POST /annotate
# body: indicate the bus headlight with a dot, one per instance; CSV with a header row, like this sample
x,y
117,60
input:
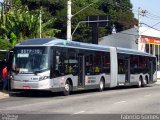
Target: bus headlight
x,y
43,78
11,77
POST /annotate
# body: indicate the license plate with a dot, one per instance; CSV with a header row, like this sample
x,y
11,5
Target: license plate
x,y
26,87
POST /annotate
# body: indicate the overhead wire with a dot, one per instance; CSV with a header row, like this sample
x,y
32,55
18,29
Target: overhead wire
x,y
151,26
151,17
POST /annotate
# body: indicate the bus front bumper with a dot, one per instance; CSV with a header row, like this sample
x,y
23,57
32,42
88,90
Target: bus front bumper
x,y
39,85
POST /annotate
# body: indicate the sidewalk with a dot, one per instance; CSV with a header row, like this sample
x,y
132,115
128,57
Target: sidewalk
x,y
158,81
3,95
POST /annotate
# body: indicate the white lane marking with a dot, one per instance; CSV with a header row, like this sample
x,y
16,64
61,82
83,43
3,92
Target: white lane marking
x,y
119,102
147,95
79,112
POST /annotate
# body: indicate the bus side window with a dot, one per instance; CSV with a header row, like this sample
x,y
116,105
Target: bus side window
x,y
97,62
89,63
134,64
106,63
88,69
121,64
59,64
72,62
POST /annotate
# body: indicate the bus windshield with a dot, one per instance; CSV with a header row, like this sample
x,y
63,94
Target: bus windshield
x,y
30,60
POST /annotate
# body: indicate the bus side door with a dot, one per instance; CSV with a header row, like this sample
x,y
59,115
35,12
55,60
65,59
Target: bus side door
x,y
151,71
127,70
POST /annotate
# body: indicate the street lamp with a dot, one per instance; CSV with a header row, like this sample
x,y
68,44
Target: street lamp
x,y
95,21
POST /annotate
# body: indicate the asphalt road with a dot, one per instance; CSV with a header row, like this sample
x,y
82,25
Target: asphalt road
x,y
141,103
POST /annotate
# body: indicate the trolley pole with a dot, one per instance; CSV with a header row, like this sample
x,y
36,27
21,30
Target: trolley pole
x,y
69,17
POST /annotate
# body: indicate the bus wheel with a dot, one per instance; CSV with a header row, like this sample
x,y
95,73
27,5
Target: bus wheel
x,y
145,82
101,85
140,82
67,88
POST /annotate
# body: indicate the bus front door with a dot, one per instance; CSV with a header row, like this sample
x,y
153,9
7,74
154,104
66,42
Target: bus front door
x,y
127,70
81,73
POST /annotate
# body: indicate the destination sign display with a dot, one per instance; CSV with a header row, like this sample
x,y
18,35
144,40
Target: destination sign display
x,y
30,51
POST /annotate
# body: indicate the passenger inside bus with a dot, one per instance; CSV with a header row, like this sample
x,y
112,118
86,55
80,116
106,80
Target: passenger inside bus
x,y
43,64
68,69
97,69
29,64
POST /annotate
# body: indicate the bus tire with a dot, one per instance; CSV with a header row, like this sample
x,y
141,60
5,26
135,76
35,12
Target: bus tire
x,y
67,88
145,82
101,85
140,82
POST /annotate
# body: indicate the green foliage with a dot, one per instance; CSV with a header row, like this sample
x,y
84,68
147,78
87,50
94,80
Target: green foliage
x,y
47,30
120,13
19,23
17,3
4,44
13,39
23,20
118,10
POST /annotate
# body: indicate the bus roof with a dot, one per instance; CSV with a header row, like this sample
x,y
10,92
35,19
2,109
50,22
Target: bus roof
x,y
132,51
36,41
61,42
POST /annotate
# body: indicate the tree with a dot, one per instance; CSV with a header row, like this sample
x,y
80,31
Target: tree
x,y
5,45
13,39
20,23
119,11
58,10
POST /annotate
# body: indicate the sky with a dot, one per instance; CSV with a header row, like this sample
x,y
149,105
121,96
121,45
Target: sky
x,y
152,7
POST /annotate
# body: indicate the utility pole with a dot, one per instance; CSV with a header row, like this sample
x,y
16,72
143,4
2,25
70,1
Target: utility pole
x,y
40,24
69,17
139,39
140,13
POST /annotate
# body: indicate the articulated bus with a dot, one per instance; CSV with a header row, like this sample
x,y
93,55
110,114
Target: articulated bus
x,y
63,66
